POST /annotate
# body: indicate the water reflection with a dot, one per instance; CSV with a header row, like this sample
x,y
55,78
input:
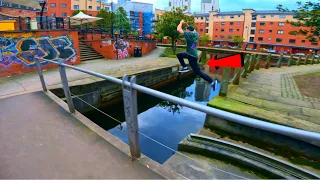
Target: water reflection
x,y
202,90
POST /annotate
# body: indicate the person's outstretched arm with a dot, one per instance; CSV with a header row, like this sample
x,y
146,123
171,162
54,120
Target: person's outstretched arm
x,y
179,28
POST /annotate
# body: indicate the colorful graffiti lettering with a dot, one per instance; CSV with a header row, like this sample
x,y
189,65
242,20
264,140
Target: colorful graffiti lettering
x,y
107,43
121,46
20,50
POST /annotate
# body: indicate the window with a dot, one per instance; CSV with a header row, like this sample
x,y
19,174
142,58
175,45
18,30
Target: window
x,y
270,31
107,8
223,23
64,5
207,30
251,39
223,17
239,15
281,24
262,23
98,8
207,24
314,43
222,37
279,40
239,23
253,24
98,0
254,17
272,15
271,23
90,14
280,32
229,37
253,32
238,30
303,41
282,16
53,5
216,36
217,29
260,38
201,30
231,17
169,3
217,22
201,18
75,6
230,30
90,7
231,23
222,30
292,41
261,31
263,16
63,14
269,38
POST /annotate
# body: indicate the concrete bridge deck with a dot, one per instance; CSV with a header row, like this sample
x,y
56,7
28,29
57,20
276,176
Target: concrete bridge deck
x,y
40,139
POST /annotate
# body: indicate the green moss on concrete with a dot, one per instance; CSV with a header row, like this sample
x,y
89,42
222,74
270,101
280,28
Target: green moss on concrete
x,y
236,107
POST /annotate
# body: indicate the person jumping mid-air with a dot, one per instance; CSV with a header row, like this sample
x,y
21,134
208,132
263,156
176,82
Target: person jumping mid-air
x,y
192,38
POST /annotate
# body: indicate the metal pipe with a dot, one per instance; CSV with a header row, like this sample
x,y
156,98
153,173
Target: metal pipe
x,y
310,137
66,89
43,84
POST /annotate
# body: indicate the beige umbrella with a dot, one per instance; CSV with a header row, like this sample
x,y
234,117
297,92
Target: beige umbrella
x,y
81,18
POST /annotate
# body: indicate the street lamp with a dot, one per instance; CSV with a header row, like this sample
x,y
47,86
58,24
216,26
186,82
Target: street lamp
x,y
42,4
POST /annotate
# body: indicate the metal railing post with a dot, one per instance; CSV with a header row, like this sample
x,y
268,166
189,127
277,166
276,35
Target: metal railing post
x,y
38,65
65,86
225,82
131,113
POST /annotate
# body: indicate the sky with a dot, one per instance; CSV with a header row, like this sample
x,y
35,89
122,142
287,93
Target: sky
x,y
232,5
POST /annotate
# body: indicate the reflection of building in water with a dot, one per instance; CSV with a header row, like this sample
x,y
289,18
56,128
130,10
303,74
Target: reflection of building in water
x,y
202,91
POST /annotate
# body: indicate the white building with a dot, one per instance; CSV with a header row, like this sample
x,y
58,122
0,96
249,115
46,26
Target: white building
x,y
181,4
209,5
137,7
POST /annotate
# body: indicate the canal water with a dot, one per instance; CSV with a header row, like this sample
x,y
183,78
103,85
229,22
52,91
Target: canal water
x,y
161,120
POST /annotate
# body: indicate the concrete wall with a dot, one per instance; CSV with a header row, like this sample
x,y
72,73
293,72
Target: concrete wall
x,y
16,56
261,138
125,49
104,93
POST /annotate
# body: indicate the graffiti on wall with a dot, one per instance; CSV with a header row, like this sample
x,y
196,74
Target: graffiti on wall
x,y
20,50
121,47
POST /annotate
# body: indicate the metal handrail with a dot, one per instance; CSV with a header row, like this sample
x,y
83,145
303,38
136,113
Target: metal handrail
x,y
307,136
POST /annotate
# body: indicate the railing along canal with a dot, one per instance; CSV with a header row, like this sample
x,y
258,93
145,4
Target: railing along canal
x,y
130,89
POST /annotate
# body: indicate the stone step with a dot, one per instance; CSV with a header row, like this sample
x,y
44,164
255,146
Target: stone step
x,y
296,111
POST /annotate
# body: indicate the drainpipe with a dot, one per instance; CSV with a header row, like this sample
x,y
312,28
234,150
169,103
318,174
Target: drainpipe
x,y
42,4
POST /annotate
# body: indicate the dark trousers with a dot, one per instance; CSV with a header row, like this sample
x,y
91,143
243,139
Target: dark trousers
x,y
194,65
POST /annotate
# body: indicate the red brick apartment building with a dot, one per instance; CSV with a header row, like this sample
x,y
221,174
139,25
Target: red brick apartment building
x,y
260,29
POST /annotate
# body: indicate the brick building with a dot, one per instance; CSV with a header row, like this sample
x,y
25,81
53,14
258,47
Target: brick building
x,y
57,8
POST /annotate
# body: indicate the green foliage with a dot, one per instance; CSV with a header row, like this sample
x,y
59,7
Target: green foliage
x,y
168,52
307,18
121,21
106,21
204,39
77,11
168,22
238,39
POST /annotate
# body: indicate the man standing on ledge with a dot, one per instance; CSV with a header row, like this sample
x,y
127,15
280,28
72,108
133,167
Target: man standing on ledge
x,y
192,38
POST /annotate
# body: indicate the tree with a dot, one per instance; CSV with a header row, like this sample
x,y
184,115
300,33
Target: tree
x,y
204,39
306,17
238,39
77,11
106,21
121,21
168,23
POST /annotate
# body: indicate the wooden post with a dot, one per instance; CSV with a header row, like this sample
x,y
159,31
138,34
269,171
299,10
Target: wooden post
x,y
203,58
312,59
290,60
279,61
306,60
253,60
257,65
237,78
299,61
267,65
225,82
318,60
245,68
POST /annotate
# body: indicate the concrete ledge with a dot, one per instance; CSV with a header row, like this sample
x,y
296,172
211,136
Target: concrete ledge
x,y
154,166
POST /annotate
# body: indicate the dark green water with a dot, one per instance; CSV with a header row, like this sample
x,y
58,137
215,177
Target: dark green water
x,y
163,121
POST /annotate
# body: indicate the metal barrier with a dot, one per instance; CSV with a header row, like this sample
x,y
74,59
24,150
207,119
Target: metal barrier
x,y
130,89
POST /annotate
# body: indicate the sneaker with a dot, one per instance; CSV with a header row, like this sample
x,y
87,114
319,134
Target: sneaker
x,y
185,69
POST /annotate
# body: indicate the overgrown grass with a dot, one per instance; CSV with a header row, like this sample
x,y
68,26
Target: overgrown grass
x,y
169,53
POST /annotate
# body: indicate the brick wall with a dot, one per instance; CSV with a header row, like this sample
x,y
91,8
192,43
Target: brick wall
x,y
18,12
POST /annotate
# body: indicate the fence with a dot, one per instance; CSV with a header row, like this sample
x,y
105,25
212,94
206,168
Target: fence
x,y
130,89
253,62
